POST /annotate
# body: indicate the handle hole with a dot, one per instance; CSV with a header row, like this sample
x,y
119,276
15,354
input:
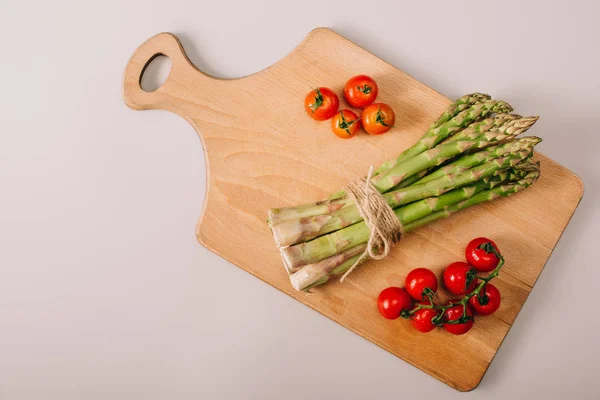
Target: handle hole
x,y
155,73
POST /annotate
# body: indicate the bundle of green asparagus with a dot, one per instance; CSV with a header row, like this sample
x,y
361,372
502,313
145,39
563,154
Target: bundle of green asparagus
x,y
470,155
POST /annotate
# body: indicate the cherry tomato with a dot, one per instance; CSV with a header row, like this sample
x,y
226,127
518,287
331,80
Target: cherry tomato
x,y
460,278
478,256
418,280
378,118
455,313
321,104
421,319
360,91
392,301
345,124
491,301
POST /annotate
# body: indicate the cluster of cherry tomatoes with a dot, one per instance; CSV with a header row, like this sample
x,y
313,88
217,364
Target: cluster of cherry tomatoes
x,y
360,92
461,279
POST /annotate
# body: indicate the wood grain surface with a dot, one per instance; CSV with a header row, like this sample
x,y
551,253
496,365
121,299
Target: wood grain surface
x,y
262,151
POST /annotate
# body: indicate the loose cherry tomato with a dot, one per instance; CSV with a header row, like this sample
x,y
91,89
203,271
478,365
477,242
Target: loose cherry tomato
x,y
455,313
360,91
321,103
392,301
421,319
488,304
480,256
418,280
378,118
460,278
345,124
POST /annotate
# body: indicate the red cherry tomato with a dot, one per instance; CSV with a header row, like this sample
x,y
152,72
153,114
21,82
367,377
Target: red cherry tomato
x,y
455,313
321,103
460,278
418,280
345,124
491,301
378,118
392,301
360,91
478,256
421,320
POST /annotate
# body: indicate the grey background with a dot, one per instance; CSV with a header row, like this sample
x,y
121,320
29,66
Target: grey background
x,y
104,291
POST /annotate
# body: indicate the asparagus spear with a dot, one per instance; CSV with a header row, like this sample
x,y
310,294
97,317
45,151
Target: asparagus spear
x,y
421,208
346,238
432,137
501,191
452,111
458,106
528,166
320,272
524,144
300,230
443,152
515,126
484,125
320,208
498,122
466,162
411,212
509,125
505,124
512,127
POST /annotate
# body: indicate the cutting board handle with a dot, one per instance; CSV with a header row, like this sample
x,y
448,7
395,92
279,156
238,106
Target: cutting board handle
x,y
165,44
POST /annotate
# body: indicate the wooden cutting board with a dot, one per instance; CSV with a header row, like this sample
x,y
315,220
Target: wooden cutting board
x,y
262,151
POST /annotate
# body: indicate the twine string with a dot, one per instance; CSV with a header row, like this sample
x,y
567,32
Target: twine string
x,y
385,228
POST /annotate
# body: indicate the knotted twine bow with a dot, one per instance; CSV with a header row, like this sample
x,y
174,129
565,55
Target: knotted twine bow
x,y
385,228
